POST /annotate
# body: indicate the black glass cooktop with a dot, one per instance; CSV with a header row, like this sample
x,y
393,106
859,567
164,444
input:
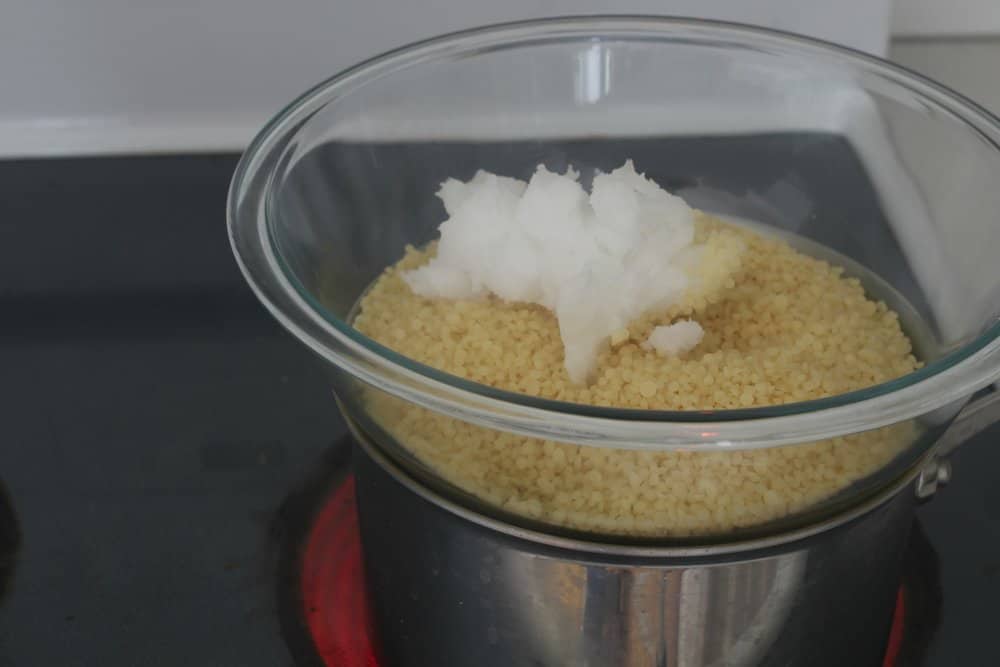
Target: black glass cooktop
x,y
155,421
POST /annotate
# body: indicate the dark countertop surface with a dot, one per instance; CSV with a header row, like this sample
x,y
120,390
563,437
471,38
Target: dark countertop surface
x,y
155,418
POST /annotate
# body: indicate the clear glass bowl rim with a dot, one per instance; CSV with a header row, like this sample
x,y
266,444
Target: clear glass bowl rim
x,y
943,382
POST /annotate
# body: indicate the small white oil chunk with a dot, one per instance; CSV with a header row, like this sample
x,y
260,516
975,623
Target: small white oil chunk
x,y
675,339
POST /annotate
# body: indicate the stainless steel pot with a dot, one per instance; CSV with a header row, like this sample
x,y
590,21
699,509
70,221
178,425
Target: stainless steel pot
x,y
453,586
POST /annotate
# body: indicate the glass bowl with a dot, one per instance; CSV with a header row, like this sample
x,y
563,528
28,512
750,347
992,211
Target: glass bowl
x,y
850,157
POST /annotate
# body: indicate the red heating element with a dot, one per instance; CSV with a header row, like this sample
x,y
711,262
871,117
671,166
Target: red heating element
x,y
333,596
332,580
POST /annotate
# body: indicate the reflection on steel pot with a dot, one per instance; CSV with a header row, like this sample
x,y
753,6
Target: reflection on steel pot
x,y
650,616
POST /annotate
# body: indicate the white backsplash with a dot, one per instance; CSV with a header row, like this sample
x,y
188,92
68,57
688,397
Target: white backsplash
x,y
139,75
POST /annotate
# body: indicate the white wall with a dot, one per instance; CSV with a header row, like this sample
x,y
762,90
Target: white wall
x,y
970,66
97,76
945,17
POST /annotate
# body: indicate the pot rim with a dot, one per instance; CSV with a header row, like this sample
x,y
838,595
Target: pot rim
x,y
606,548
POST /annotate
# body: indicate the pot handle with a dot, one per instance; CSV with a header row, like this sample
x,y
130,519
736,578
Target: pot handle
x,y
978,414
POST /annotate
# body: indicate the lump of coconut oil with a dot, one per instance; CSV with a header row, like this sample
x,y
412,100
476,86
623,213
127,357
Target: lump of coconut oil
x,y
597,260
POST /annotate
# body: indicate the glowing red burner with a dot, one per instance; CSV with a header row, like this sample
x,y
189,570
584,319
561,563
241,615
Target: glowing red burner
x,y
896,633
333,597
